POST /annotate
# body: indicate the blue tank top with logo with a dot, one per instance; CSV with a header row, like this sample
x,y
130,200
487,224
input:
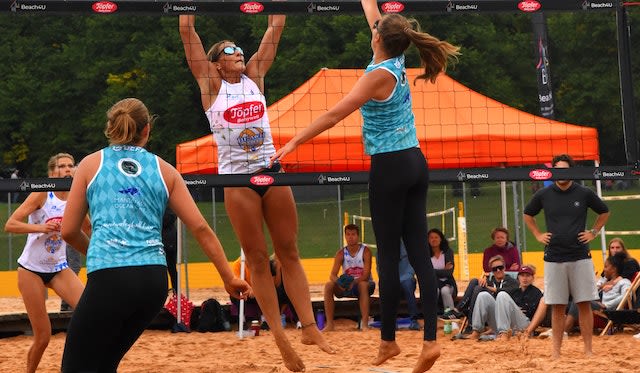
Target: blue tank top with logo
x,y
389,125
127,198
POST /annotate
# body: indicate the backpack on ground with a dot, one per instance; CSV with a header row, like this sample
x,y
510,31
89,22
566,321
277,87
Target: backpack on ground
x,y
212,317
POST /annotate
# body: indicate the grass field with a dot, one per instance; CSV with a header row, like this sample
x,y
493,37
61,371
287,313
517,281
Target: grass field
x,y
320,220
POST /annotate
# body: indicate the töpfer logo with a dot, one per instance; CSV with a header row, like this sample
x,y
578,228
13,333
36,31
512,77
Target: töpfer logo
x,y
392,7
540,174
104,7
529,6
261,180
252,7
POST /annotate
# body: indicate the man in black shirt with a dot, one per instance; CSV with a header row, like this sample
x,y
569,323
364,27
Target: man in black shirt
x,y
568,268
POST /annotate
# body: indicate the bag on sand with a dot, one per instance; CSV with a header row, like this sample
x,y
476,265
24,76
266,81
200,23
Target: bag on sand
x,y
186,307
212,317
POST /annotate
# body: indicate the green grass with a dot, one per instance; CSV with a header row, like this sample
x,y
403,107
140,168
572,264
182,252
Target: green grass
x,y
320,221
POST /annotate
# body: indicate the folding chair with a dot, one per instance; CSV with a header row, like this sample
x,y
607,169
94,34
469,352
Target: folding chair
x,y
628,301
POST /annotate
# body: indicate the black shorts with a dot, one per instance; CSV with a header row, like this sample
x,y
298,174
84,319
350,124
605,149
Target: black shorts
x,y
262,190
45,276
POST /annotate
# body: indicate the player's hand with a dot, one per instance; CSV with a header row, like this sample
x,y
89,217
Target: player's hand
x,y
544,238
586,236
281,153
238,288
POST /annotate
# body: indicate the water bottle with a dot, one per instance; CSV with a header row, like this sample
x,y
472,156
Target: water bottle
x,y
283,320
447,327
255,327
320,319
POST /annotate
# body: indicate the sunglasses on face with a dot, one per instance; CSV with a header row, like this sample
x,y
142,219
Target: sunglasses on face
x,y
497,268
230,51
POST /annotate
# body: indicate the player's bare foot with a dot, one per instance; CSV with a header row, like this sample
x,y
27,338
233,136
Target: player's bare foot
x,y
386,351
474,335
312,336
290,358
430,353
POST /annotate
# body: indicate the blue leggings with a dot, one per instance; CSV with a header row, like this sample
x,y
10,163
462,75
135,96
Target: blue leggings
x,y
115,308
398,183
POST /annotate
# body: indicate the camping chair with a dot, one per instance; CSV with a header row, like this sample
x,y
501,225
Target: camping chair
x,y
628,301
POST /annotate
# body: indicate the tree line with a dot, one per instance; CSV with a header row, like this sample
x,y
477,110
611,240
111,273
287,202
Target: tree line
x,y
59,74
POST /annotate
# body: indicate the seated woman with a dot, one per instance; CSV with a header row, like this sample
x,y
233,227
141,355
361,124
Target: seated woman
x,y
616,245
503,247
443,264
612,288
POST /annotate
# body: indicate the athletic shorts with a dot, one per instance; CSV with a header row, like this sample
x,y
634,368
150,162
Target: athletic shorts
x,y
354,292
564,279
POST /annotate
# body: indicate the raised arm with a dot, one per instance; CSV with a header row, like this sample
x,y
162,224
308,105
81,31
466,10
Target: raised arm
x,y
371,11
261,61
206,75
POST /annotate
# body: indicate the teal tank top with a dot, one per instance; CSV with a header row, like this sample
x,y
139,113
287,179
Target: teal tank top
x,y
389,125
127,198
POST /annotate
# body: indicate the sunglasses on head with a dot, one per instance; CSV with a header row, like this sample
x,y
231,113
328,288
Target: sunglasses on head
x,y
497,268
375,24
230,51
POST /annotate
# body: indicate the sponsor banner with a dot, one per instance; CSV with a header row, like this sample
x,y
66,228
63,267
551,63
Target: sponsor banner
x,y
543,72
296,6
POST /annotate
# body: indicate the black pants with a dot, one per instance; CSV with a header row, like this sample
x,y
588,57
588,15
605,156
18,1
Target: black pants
x,y
115,308
398,183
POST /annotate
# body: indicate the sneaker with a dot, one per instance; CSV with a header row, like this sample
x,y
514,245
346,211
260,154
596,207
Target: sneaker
x,y
636,336
549,333
414,325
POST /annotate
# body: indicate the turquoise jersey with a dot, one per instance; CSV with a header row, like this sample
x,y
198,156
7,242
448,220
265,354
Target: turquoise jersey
x,y
127,198
389,125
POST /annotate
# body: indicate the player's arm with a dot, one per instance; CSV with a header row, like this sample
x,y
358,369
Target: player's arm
x,y
337,262
17,222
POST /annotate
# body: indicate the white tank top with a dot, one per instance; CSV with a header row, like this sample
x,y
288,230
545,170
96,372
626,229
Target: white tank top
x,y
353,265
240,125
45,252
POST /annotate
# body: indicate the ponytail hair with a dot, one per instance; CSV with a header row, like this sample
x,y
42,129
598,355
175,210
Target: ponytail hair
x,y
397,32
125,121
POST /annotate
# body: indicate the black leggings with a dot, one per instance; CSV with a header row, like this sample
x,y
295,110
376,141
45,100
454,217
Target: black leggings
x,y
115,308
398,184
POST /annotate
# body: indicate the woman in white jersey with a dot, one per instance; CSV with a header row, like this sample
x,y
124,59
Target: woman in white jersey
x,y
126,190
398,179
233,101
43,263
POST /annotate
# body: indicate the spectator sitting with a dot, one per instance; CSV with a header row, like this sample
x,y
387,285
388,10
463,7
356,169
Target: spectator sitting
x,y
515,310
355,281
443,263
612,288
616,245
497,283
503,247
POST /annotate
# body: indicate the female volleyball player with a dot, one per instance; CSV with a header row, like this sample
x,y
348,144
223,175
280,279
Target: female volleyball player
x,y
398,178
126,189
233,101
43,263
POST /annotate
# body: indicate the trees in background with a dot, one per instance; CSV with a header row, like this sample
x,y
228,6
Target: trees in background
x,y
61,73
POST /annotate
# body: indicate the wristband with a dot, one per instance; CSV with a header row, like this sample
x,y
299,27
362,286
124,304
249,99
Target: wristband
x,y
593,231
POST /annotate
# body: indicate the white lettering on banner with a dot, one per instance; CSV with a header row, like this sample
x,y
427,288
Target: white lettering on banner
x,y
613,174
33,7
546,98
327,8
43,186
601,5
195,182
477,176
184,8
466,7
338,179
